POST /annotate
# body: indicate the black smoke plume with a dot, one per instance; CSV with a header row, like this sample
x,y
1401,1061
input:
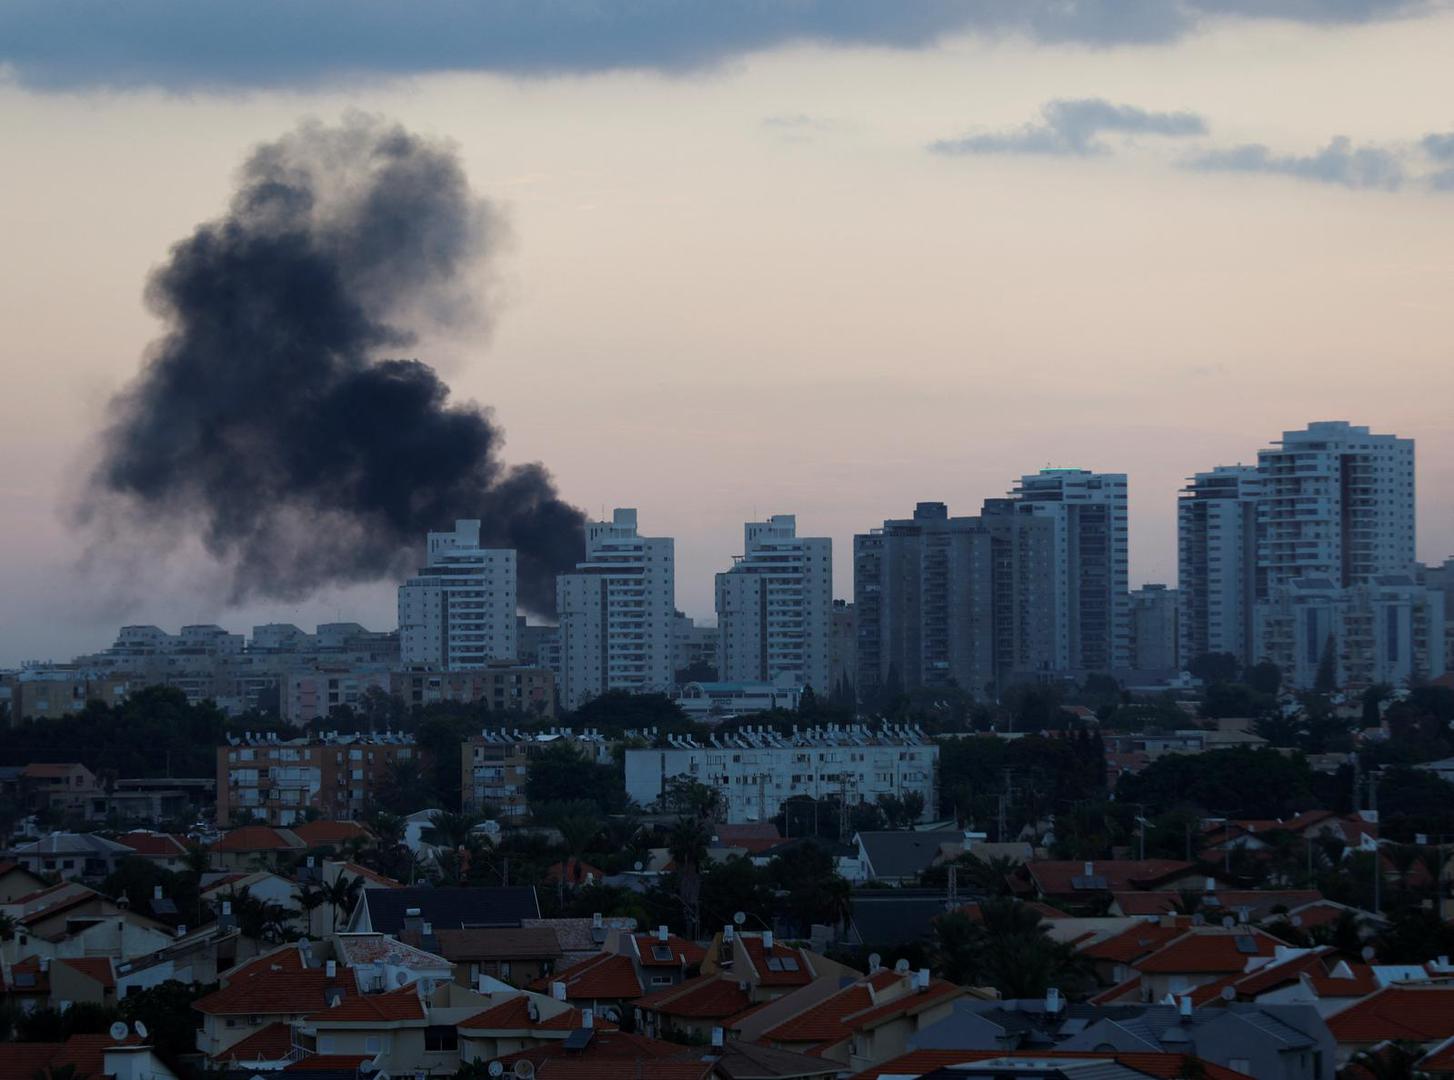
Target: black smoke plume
x,y
271,418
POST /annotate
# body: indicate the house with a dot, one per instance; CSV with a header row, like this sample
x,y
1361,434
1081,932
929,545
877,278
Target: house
x,y
898,858
255,847
391,911
691,1010
663,958
1422,1014
71,855
1202,955
871,1019
71,919
62,787
608,983
512,955
581,938
83,979
164,850
16,881
1068,882
330,834
82,1056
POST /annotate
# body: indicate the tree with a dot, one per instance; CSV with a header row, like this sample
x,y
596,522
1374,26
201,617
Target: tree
x,y
563,774
166,1010
342,895
1214,667
1264,677
902,811
809,886
406,787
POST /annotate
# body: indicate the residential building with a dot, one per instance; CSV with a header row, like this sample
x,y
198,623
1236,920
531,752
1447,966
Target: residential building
x,y
274,781
458,612
616,612
1089,513
842,646
1155,634
495,765
505,688
755,772
1441,579
712,701
774,607
1337,504
1217,569
966,602
1388,629
692,646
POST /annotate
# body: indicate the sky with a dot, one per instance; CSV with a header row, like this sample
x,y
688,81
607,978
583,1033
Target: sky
x,y
822,259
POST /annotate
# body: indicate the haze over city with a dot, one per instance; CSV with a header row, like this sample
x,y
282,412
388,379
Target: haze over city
x,y
829,268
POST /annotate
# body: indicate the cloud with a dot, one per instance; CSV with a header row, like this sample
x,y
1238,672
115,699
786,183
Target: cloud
x,y
186,45
1340,162
1070,129
1440,147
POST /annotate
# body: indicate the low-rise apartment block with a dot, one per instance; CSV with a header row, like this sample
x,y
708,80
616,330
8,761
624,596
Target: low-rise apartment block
x,y
757,770
275,782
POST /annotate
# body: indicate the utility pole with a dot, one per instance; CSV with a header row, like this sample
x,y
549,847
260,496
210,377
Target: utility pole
x,y
1377,855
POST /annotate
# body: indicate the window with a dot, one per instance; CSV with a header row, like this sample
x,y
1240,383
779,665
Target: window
x,y
372,1044
325,1044
440,1038
661,980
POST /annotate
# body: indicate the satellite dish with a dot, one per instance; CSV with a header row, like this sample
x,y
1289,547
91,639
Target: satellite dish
x,y
496,1069
401,977
141,1031
1228,993
1367,952
639,866
367,1067
1228,922
118,1031
739,918
874,960
524,1069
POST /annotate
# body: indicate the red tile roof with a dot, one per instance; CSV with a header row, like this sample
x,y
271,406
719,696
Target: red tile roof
x,y
753,837
41,770
272,1043
1416,1013
827,1020
560,1068
1440,1059
513,1014
600,977
706,997
394,1006
329,833
759,955
154,844
257,838
372,875
576,872
680,948
1130,945
1130,990
1332,986
907,1004
1204,951
275,984
1162,1066
96,967
22,1061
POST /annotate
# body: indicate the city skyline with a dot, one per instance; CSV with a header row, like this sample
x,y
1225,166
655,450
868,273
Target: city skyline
x,y
807,272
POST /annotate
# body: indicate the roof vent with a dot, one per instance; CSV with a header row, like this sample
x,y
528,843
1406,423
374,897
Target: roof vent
x,y
557,991
330,969
662,933
767,939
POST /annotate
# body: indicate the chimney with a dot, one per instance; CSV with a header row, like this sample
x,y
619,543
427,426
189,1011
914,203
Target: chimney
x,y
921,980
727,933
44,964
182,930
1052,1000
662,933
588,1018
596,921
426,928
412,922
227,907
557,991
1183,1005
717,1037
1211,884
1090,869
767,939
156,892
330,969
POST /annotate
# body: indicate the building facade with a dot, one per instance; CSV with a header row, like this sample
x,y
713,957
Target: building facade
x,y
755,772
458,612
1216,536
1337,503
1155,638
1091,568
774,607
616,611
275,782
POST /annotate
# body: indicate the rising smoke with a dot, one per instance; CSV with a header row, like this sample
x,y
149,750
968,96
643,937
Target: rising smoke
x,y
272,418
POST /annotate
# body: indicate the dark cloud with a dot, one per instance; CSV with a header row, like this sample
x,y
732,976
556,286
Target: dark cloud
x,y
275,419
1340,162
1071,128
184,44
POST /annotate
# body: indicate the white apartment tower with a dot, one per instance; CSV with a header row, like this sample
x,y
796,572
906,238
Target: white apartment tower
x,y
1337,504
775,607
1216,528
458,612
616,613
1091,565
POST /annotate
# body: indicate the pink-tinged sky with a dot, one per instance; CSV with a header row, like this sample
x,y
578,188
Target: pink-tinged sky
x,y
757,288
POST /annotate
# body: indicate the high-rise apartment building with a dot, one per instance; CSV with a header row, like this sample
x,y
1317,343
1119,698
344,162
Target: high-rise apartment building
x,y
458,612
616,613
1155,645
1091,567
1337,504
962,602
774,607
1216,529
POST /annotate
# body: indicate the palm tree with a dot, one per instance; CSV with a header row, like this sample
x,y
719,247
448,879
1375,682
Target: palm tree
x,y
342,894
988,876
578,833
449,830
310,899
